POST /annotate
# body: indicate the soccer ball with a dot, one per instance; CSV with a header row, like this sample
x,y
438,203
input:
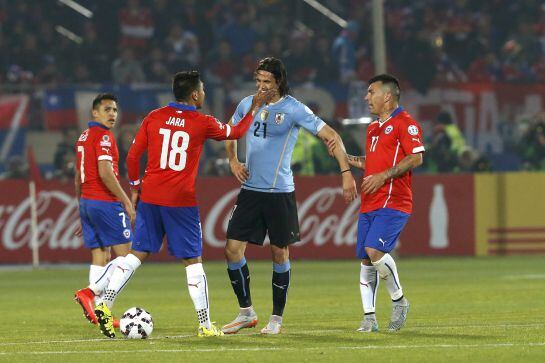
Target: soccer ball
x,y
136,323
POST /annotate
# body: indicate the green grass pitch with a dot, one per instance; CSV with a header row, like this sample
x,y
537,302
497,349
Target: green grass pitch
x,y
462,310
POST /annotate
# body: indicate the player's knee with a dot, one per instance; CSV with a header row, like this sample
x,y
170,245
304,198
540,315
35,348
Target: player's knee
x,y
280,255
233,253
374,254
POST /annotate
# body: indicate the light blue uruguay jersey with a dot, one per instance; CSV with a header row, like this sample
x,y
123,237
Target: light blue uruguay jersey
x,y
270,142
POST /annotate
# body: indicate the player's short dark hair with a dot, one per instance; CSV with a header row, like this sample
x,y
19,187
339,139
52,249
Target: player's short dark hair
x,y
388,81
184,83
101,97
276,67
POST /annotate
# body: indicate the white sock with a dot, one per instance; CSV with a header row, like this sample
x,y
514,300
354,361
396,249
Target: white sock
x,y
99,276
121,275
387,270
198,290
368,287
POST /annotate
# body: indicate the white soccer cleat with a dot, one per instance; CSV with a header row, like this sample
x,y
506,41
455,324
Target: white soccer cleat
x,y
274,326
240,322
368,324
399,315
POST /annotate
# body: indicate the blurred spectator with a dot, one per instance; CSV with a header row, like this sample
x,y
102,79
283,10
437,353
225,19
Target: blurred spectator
x,y
66,172
16,168
127,69
64,147
446,146
182,49
222,67
532,145
240,33
136,25
302,159
155,67
322,62
344,52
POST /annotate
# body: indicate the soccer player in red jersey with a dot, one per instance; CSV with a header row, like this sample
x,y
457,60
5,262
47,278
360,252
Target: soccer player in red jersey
x,y
106,212
173,137
393,148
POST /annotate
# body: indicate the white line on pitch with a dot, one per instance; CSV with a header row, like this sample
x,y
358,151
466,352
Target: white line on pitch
x,y
294,332
369,347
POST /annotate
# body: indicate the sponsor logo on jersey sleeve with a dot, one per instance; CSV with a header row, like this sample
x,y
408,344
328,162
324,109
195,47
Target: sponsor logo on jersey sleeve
x,y
413,130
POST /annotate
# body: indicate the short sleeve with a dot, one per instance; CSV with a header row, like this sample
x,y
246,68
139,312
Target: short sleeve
x,y
242,109
103,147
215,129
410,136
304,117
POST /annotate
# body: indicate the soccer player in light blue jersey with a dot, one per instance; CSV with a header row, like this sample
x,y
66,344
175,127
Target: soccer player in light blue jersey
x,y
266,203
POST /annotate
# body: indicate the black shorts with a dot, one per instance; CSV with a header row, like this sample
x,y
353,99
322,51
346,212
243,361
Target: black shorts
x,y
256,213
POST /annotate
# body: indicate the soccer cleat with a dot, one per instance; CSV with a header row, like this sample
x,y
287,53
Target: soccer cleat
x,y
274,326
240,322
86,298
399,315
105,320
212,332
368,324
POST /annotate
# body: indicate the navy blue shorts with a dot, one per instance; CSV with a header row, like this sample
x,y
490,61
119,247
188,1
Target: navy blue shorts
x,y
104,223
380,230
181,225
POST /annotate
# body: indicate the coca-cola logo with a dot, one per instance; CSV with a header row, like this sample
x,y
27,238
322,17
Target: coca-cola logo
x,y
55,230
319,219
323,219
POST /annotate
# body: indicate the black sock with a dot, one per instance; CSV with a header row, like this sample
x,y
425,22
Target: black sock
x,y
280,284
240,280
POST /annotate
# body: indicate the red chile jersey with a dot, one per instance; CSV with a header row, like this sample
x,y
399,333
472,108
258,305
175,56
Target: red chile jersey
x,y
95,144
174,136
388,142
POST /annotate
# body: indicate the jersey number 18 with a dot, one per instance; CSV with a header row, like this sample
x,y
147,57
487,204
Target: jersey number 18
x,y
173,152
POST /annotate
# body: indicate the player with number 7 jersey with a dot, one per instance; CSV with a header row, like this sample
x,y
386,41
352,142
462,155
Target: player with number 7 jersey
x,y
173,137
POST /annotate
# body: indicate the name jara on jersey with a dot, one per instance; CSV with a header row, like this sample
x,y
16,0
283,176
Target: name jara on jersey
x,y
175,121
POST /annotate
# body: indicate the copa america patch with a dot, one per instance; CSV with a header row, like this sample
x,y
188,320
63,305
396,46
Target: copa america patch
x,y
279,118
127,233
388,129
413,130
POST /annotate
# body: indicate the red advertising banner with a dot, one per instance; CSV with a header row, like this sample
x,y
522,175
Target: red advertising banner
x,y
328,226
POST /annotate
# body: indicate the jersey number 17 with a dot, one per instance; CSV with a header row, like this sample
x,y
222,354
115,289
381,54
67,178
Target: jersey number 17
x,y
173,151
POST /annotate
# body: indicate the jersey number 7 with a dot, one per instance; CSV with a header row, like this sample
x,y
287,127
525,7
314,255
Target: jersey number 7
x,y
173,152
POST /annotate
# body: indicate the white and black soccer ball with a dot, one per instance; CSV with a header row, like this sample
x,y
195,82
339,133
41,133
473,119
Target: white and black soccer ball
x,y
136,323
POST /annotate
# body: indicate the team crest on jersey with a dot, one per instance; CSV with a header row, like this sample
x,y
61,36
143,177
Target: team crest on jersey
x,y
413,130
264,114
279,118
105,141
388,129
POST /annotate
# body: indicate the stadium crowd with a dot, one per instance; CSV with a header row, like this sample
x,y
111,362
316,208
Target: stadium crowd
x,y
146,41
